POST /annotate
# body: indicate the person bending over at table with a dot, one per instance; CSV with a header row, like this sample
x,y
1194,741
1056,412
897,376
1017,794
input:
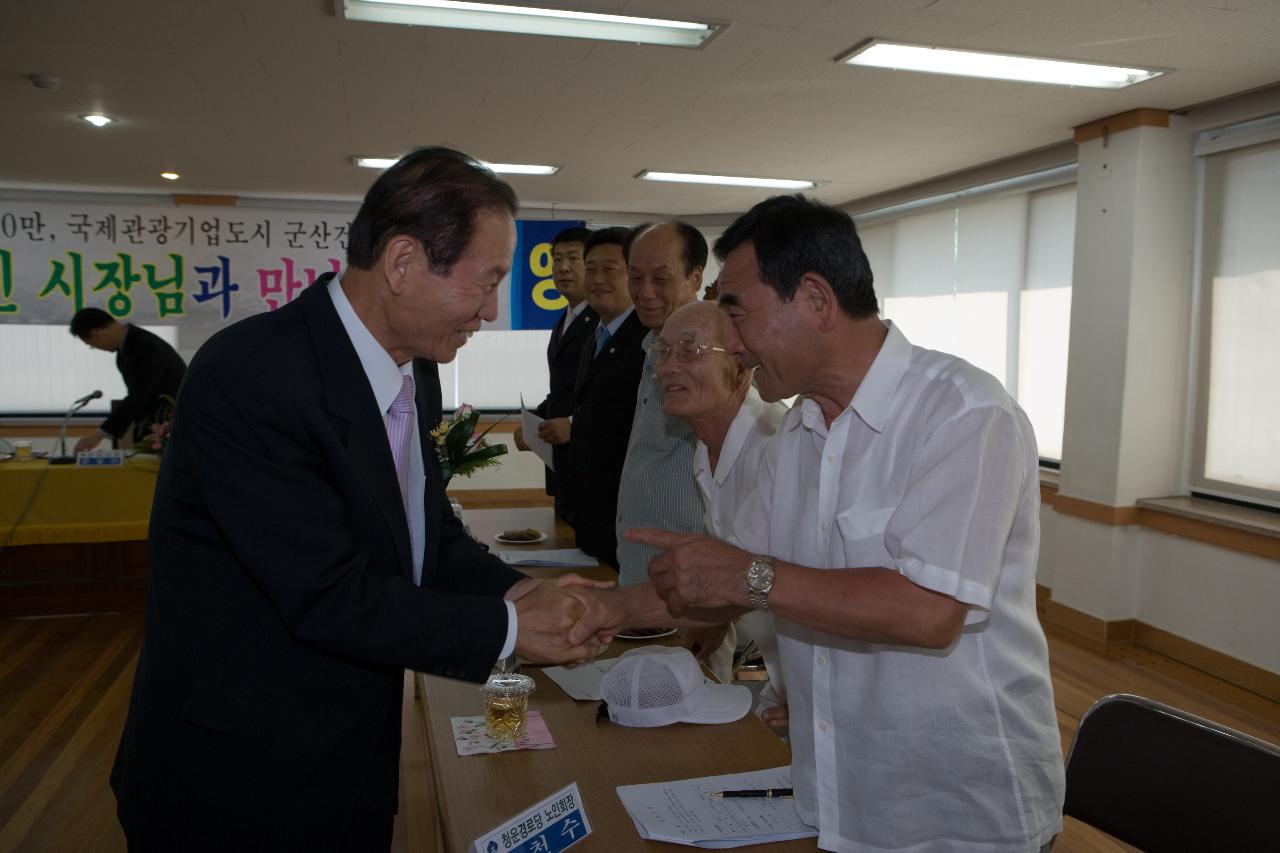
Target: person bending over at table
x,y
151,369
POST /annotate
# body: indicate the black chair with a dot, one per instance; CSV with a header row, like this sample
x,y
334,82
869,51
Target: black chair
x,y
1165,780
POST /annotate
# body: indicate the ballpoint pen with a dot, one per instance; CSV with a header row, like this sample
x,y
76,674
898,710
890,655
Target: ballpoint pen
x,y
767,793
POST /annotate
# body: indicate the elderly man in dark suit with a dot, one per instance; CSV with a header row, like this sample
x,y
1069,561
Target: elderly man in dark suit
x,y
150,367
303,553
573,329
605,396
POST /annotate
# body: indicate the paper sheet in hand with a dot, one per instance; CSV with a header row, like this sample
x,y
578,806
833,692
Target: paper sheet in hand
x,y
580,682
684,812
529,423
572,557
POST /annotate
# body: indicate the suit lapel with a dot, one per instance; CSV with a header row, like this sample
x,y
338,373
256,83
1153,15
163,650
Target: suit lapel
x,y
614,349
349,398
582,328
557,336
584,325
426,379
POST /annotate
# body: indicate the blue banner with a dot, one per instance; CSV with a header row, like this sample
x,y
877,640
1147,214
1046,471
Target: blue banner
x,y
535,302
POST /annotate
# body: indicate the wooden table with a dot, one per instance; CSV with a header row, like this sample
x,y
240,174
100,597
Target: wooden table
x,y
476,793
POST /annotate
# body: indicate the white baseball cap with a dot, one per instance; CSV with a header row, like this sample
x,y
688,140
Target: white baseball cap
x,y
659,685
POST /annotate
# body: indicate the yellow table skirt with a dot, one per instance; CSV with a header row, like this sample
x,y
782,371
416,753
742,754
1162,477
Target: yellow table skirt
x,y
74,504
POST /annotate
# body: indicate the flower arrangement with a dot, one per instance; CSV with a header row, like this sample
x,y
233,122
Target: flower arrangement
x,y
460,449
157,438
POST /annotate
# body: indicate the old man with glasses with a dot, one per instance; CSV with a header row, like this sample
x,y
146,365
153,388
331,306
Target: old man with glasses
x,y
711,391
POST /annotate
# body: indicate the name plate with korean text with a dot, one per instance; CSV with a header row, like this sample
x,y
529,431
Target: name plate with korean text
x,y
557,823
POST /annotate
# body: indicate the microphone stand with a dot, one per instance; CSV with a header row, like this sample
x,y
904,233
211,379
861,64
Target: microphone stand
x,y
62,458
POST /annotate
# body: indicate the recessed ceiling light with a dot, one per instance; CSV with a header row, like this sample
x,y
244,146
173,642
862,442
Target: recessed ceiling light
x,y
500,168
528,20
727,180
994,66
170,176
98,119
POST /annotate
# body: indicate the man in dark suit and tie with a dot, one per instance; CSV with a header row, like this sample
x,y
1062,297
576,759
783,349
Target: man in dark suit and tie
x,y
303,553
605,396
151,369
574,328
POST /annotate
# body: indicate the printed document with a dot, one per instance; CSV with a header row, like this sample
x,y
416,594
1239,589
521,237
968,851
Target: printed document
x,y
572,557
529,423
580,682
684,812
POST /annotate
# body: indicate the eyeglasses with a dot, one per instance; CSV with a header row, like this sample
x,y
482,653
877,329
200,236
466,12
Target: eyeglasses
x,y
685,351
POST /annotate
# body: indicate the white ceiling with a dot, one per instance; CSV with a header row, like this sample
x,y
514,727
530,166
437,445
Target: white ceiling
x,y
272,97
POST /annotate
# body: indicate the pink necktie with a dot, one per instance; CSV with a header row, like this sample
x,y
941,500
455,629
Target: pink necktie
x,y
399,433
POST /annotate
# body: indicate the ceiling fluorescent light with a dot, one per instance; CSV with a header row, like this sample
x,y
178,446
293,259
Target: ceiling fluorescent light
x,y
521,168
500,168
98,119
726,180
995,66
529,20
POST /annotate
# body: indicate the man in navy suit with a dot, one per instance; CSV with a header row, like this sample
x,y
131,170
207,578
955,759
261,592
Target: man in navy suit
x,y
574,328
303,553
605,396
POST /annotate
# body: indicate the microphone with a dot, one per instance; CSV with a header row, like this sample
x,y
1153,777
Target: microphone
x,y
62,458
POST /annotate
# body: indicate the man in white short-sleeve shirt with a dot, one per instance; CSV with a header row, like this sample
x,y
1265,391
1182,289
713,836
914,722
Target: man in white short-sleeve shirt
x,y
893,534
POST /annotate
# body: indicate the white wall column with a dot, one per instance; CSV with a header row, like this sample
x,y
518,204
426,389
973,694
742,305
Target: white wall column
x,y
1131,293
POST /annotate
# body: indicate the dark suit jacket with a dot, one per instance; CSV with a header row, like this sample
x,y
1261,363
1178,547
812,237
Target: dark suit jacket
x,y
281,611
602,413
150,368
564,351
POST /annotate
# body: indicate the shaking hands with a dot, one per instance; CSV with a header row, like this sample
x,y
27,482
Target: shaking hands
x,y
569,621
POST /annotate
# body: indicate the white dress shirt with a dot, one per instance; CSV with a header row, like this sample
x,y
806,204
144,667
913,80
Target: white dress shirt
x,y
930,471
386,378
616,323
571,314
738,467
723,492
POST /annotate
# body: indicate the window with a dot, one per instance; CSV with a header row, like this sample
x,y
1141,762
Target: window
x,y
988,280
58,369
495,368
1237,433
1044,319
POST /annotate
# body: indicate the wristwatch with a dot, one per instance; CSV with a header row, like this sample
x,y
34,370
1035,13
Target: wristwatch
x,y
760,581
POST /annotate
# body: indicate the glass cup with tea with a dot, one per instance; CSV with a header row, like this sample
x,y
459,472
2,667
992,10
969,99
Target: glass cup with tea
x,y
506,705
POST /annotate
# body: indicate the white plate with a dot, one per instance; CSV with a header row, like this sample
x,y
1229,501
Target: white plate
x,y
657,633
541,538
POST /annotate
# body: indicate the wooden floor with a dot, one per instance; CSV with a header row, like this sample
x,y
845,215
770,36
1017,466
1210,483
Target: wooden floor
x,y
64,689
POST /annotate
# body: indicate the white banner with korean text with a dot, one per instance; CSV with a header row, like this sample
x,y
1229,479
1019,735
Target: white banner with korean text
x,y
159,263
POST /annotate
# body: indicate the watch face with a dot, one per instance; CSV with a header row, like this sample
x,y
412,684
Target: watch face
x,y
760,576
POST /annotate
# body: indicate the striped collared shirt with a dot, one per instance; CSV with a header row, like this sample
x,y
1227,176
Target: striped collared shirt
x,y
658,488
